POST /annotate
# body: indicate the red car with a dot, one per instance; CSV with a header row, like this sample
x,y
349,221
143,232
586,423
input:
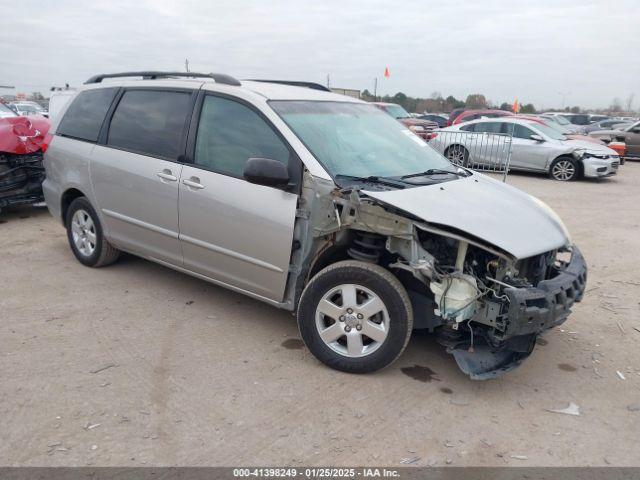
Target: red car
x,y
469,115
22,140
422,128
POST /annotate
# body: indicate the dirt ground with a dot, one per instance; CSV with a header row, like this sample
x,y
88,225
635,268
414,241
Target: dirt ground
x,y
136,364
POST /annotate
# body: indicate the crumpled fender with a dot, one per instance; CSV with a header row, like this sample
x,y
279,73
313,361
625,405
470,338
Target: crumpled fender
x,y
23,135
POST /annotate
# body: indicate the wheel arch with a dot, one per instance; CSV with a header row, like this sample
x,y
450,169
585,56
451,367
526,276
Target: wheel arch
x,y
569,157
67,197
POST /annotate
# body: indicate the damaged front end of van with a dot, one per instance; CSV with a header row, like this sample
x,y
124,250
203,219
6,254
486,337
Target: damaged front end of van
x,y
486,279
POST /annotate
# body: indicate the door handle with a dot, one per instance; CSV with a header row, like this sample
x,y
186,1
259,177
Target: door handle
x,y
193,182
167,175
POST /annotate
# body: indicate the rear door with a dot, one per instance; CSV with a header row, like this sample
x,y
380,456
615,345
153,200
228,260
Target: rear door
x,y
232,231
136,169
487,146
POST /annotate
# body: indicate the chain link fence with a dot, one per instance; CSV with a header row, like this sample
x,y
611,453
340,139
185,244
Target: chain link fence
x,y
485,152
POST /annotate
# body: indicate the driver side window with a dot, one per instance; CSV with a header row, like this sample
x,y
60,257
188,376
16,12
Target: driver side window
x,y
519,131
230,133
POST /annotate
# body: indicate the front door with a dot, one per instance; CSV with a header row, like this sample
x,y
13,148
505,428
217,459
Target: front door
x,y
135,175
526,153
232,231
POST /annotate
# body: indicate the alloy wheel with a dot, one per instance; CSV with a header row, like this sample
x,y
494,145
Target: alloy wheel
x,y
563,170
83,232
352,320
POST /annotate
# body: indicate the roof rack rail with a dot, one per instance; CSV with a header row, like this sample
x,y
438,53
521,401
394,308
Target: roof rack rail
x,y
152,75
312,85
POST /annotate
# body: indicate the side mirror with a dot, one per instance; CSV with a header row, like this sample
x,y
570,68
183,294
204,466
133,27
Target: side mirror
x,y
265,171
537,138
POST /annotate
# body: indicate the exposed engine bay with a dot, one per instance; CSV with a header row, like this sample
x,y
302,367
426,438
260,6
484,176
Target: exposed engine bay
x,y
21,169
486,306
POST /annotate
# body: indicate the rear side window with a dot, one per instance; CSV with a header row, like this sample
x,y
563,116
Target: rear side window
x,y
489,127
85,115
469,128
231,133
150,122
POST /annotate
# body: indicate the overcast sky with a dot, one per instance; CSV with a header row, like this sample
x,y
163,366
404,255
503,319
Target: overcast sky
x,y
535,50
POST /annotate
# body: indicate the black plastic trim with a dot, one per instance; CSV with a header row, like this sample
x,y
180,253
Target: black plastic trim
x,y
293,83
153,75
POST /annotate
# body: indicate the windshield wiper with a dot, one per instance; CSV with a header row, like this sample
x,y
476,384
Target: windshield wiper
x,y
374,179
433,171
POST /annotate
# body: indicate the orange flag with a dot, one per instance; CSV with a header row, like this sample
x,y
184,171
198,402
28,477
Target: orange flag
x,y
386,72
516,107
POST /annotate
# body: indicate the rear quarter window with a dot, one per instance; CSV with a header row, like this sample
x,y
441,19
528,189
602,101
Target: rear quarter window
x,y
83,119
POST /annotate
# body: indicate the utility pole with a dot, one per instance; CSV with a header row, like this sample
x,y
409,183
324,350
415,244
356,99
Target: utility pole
x,y
186,64
375,89
328,81
564,97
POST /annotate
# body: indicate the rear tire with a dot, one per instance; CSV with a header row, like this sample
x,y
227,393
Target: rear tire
x,y
355,317
85,235
564,169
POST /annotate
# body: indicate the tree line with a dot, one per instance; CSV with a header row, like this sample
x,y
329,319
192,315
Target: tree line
x,y
437,103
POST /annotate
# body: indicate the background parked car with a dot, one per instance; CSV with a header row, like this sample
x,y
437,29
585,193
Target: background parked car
x,y
535,147
453,115
559,128
577,118
422,128
6,112
598,118
608,124
561,120
28,108
629,135
469,115
432,117
21,170
57,101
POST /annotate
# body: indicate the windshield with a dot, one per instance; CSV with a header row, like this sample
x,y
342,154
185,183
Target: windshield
x,y
359,140
548,131
561,120
396,111
556,126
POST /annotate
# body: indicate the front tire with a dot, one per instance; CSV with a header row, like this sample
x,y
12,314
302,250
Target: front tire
x,y
85,235
564,169
355,317
458,155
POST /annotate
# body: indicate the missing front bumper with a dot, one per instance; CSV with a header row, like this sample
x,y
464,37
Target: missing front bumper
x,y
530,312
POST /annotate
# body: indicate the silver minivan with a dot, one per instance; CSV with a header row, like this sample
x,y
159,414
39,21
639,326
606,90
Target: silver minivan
x,y
313,202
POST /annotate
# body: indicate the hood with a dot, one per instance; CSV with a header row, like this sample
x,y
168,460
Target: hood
x,y
607,132
490,210
584,138
591,146
22,135
410,122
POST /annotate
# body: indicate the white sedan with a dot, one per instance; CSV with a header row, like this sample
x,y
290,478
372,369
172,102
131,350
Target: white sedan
x,y
535,147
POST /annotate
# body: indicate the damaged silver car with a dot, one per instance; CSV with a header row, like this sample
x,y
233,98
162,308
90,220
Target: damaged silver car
x,y
316,203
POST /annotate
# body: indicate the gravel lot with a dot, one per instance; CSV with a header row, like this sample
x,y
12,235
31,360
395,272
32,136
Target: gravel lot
x,y
136,364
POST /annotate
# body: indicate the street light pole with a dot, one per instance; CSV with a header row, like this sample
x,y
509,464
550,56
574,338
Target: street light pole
x,y
564,97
